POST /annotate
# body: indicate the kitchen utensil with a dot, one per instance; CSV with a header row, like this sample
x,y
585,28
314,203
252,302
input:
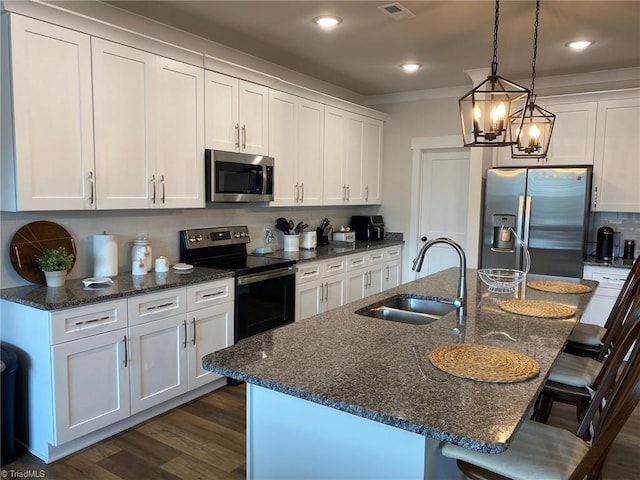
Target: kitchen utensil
x,y
283,225
299,227
31,240
290,226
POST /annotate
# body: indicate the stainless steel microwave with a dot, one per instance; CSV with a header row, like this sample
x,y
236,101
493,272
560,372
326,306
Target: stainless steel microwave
x,y
238,177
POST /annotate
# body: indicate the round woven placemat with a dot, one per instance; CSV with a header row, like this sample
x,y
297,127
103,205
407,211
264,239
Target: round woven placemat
x,y
537,308
559,287
484,363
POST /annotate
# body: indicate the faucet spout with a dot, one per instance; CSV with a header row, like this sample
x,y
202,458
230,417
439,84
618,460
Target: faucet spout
x,y
460,302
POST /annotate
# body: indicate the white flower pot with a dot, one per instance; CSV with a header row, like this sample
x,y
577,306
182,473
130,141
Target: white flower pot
x,y
56,279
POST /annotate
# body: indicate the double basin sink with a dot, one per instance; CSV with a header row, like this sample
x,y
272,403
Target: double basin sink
x,y
407,308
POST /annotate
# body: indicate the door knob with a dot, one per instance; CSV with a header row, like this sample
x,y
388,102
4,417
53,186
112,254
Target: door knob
x,y
423,238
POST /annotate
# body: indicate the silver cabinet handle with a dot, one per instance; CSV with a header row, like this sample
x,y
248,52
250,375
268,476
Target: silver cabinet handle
x,y
366,194
126,352
163,189
237,131
91,184
214,294
322,293
193,341
302,194
326,298
595,197
344,193
93,320
244,137
387,273
348,192
297,191
153,181
184,342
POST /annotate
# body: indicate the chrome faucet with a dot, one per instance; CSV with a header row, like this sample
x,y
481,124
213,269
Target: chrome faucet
x,y
461,302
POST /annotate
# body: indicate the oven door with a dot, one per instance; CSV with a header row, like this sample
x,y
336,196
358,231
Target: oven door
x,y
264,301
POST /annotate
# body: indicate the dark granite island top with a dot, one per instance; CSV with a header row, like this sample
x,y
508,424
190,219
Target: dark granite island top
x,y
379,370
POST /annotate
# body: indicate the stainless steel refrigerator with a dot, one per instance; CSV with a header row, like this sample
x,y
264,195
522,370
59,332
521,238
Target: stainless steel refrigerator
x,y
547,208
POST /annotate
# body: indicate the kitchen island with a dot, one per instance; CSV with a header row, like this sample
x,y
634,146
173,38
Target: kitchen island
x,y
341,395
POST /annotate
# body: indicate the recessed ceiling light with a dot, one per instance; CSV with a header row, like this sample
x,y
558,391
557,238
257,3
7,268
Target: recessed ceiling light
x,y
580,44
327,21
410,67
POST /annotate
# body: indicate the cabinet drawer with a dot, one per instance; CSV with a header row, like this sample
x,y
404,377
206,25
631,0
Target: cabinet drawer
x,y
334,267
153,306
392,253
82,322
208,294
308,271
357,261
376,257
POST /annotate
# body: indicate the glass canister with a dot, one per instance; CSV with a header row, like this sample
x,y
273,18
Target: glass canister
x,y
141,250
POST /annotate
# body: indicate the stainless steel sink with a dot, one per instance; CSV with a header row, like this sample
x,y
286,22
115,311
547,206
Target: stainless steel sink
x,y
408,309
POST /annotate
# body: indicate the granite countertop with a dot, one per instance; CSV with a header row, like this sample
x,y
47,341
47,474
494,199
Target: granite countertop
x,y
379,369
74,293
617,262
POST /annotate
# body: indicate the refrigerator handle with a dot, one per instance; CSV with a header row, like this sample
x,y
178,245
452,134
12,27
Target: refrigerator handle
x,y
519,227
527,220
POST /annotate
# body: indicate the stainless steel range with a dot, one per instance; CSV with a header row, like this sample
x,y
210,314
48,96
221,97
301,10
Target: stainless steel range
x,y
264,286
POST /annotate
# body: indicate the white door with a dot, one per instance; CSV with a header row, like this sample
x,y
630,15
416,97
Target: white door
x,y
354,138
253,108
180,138
283,146
158,363
91,384
124,113
334,156
210,330
443,175
52,109
372,160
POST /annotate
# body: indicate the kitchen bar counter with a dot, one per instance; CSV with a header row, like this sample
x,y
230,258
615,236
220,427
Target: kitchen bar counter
x,y
74,293
379,370
617,262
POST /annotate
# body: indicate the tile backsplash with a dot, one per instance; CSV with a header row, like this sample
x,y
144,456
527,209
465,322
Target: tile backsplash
x,y
161,227
626,226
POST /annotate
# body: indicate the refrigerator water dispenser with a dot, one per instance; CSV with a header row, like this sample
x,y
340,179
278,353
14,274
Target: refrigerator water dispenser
x,y
503,228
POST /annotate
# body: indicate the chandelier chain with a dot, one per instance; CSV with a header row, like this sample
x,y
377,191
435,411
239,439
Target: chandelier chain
x,y
535,48
494,63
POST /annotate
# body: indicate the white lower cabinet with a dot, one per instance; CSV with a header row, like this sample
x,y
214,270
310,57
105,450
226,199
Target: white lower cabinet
x,y
93,366
611,280
91,384
321,286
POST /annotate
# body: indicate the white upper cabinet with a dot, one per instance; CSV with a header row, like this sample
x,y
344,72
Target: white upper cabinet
x,y
236,115
296,141
149,122
572,140
47,151
372,161
352,158
616,173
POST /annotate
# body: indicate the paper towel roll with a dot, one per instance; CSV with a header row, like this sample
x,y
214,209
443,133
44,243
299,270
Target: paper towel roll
x,y
105,256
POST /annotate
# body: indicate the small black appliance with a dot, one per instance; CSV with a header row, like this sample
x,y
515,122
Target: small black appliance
x,y
604,244
368,228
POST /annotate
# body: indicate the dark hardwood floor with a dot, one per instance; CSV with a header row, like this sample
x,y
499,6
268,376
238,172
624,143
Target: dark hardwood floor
x,y
205,440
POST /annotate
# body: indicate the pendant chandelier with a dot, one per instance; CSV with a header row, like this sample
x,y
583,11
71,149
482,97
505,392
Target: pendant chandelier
x,y
534,133
486,111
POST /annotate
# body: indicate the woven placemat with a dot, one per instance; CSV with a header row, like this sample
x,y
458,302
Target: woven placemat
x,y
537,308
484,363
559,287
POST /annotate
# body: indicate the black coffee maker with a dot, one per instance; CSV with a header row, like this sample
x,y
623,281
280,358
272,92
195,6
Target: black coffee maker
x,y
604,245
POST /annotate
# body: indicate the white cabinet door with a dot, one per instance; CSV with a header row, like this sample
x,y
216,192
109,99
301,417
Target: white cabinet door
x,y
335,130
354,158
616,173
372,161
357,282
90,383
310,158
50,164
253,110
309,297
124,116
222,129
391,276
158,361
283,146
180,137
335,292
210,330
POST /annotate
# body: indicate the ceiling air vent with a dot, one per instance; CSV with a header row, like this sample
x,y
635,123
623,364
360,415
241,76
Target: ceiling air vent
x,y
397,11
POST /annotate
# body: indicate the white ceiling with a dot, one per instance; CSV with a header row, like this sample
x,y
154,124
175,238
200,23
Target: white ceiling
x,y
364,52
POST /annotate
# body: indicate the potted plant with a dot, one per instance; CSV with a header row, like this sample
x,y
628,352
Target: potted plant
x,y
55,262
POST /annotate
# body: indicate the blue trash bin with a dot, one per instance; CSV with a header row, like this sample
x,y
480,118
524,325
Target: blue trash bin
x,y
8,366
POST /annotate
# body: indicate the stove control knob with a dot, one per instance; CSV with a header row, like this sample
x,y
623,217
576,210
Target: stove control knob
x,y
236,235
243,234
198,238
192,238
